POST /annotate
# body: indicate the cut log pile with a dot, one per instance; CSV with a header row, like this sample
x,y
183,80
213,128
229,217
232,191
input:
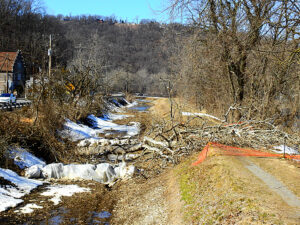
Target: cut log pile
x,y
170,143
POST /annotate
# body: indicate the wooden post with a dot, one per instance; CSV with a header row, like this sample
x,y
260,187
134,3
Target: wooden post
x,y
284,147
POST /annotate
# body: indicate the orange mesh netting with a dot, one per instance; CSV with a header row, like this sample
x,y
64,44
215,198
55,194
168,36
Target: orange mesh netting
x,y
235,151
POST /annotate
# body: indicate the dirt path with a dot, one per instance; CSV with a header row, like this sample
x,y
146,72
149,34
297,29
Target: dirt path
x,y
154,201
174,202
275,185
140,203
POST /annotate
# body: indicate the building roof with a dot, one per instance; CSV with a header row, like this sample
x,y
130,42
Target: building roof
x,y
7,61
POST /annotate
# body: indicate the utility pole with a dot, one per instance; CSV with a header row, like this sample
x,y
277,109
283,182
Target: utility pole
x,y
49,54
7,88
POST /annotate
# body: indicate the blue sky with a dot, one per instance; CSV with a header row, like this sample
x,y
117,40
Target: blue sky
x,y
121,9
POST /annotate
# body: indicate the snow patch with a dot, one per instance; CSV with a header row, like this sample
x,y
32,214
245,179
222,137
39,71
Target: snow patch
x,y
58,191
76,132
144,100
125,172
104,126
106,142
127,157
117,107
129,105
91,142
34,171
148,96
8,201
72,171
29,208
288,150
24,159
112,107
10,195
106,173
201,114
112,116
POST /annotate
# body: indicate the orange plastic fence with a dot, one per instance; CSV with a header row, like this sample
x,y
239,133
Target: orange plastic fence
x,y
235,151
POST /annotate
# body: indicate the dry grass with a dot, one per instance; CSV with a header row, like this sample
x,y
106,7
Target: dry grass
x,y
221,190
20,128
173,199
161,109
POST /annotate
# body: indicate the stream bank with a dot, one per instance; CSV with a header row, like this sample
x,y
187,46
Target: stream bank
x,y
98,199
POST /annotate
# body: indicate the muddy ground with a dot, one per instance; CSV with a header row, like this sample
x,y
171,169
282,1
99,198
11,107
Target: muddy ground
x,y
136,201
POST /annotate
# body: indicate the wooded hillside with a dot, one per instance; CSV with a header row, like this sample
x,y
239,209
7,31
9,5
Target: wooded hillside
x,y
238,59
132,52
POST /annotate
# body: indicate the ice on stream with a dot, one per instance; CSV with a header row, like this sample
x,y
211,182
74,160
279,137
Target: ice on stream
x,y
104,172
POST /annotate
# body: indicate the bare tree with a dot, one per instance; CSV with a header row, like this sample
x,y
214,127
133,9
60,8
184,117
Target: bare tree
x,y
234,31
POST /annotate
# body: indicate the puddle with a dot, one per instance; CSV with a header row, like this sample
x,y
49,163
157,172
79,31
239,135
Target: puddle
x,y
142,105
102,214
57,216
109,132
100,217
55,220
143,100
60,216
140,108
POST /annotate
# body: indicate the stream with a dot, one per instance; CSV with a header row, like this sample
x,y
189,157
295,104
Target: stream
x,y
142,106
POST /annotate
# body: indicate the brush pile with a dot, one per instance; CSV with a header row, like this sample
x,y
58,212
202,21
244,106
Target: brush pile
x,y
169,143
180,139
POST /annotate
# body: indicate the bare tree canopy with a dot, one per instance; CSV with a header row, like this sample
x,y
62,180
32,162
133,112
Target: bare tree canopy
x,y
251,45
